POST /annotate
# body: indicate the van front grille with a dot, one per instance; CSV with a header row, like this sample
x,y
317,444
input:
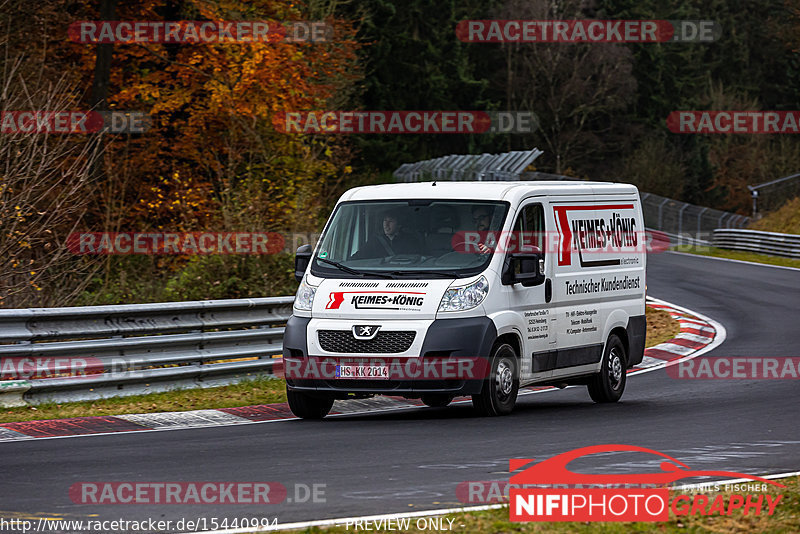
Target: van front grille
x,y
385,342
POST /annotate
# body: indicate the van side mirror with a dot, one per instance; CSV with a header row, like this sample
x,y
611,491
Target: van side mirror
x,y
301,260
524,268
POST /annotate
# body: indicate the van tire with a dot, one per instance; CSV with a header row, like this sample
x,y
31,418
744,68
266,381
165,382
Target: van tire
x,y
499,392
306,406
609,383
437,400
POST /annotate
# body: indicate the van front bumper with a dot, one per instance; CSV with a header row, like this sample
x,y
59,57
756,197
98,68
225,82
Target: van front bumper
x,y
437,369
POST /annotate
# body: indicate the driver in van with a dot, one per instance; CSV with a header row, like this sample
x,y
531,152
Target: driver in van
x,y
390,242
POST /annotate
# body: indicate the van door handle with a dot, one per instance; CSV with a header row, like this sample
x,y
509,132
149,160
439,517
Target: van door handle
x,y
548,290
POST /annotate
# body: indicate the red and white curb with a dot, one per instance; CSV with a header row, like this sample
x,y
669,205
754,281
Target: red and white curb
x,y
698,335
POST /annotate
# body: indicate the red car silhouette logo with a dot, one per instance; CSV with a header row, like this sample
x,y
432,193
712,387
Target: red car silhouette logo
x,y
554,470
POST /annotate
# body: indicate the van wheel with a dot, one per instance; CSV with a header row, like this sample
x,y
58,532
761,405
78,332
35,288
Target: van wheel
x,y
307,406
436,400
499,393
609,383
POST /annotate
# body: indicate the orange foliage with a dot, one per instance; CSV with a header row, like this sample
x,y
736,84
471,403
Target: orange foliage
x,y
212,153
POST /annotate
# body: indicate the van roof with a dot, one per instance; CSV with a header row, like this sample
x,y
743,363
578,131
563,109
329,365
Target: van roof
x,y
509,191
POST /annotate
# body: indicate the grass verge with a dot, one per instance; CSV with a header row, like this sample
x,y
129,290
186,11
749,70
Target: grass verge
x,y
738,255
258,391
786,519
786,220
660,327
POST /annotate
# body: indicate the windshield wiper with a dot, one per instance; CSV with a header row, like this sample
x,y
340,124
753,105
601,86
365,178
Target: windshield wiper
x,y
387,274
445,274
350,270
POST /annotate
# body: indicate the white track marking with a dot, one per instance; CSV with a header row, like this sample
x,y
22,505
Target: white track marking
x,y
677,350
445,511
188,419
694,337
343,520
735,261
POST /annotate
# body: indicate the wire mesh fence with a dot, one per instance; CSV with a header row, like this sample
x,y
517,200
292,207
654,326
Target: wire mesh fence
x,y
672,216
676,217
770,196
688,221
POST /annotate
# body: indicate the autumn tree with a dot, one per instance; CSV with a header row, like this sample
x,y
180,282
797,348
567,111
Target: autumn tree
x,y
45,188
212,156
212,159
580,92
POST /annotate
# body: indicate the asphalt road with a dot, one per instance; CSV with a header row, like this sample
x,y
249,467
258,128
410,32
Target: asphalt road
x,y
414,459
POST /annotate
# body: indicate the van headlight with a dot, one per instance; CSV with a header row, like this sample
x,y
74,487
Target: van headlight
x,y
464,297
304,298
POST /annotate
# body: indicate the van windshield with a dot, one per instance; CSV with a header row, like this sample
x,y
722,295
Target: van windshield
x,y
397,238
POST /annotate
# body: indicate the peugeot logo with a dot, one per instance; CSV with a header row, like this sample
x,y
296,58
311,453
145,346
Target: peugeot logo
x,y
365,331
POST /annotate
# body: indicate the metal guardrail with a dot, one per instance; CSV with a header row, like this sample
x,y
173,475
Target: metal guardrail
x,y
137,348
671,240
787,245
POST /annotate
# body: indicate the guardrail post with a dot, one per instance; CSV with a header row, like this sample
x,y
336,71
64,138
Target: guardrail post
x,y
680,218
700,219
11,392
661,213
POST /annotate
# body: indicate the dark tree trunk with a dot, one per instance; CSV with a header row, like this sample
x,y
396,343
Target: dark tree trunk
x,y
102,72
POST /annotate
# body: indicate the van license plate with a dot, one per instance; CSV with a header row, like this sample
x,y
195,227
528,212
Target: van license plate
x,y
368,372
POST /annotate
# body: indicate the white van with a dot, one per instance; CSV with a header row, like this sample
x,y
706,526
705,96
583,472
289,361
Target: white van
x,y
436,290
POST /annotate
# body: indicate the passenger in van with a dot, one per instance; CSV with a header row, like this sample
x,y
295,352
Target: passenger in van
x,y
482,217
390,242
